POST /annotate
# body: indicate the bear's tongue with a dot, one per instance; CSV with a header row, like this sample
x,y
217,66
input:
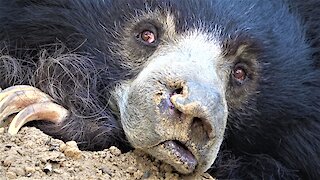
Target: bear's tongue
x,y
175,154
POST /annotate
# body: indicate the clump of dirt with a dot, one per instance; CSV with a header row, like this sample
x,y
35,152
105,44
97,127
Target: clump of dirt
x,y
33,155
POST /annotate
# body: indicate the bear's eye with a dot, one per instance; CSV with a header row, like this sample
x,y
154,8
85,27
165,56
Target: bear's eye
x,y
147,33
239,73
148,36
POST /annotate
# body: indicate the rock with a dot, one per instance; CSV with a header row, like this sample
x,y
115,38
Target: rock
x,y
70,149
114,150
8,161
48,168
11,175
1,130
29,169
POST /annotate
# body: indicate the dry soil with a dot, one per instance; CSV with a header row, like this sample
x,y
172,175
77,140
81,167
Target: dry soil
x,y
33,155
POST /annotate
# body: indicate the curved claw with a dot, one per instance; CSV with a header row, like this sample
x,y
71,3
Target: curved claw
x,y
14,99
11,90
31,104
39,111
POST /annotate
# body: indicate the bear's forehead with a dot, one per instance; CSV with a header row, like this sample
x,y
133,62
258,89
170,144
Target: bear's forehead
x,y
228,15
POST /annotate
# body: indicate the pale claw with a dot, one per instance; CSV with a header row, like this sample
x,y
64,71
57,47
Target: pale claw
x,y
40,111
14,99
10,90
30,104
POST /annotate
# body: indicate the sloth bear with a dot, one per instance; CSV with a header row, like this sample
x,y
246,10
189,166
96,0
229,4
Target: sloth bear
x,y
225,86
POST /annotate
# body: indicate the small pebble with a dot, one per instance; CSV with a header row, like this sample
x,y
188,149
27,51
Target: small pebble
x,y
72,144
2,130
8,161
73,152
71,149
62,147
30,170
131,169
19,171
146,175
48,168
57,171
11,175
105,170
114,150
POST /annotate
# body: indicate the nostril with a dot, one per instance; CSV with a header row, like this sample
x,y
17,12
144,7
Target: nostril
x,y
201,129
177,91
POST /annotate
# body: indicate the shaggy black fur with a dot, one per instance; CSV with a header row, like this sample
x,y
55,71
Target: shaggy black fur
x,y
70,50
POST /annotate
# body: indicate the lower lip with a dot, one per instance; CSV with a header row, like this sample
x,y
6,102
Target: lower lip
x,y
177,155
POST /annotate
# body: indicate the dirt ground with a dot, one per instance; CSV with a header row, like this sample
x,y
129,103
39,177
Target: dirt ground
x,y
33,155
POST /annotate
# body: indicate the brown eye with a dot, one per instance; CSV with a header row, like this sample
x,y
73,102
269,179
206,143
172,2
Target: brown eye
x,y
148,37
239,74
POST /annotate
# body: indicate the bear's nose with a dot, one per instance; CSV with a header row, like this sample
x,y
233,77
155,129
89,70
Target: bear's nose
x,y
193,102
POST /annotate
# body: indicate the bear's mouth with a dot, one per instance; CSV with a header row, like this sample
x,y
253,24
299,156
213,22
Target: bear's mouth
x,y
176,154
